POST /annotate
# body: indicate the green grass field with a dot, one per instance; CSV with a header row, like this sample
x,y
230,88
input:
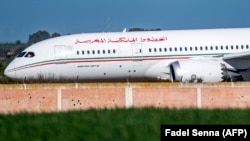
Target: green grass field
x,y
106,125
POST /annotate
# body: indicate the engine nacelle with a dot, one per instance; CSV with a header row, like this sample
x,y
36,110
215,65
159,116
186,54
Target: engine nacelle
x,y
198,71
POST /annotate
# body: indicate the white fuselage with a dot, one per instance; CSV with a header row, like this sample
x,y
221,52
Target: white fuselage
x,y
124,56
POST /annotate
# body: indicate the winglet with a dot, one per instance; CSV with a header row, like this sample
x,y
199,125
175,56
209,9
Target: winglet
x,y
124,30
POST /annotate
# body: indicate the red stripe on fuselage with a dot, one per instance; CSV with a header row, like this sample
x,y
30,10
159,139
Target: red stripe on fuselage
x,y
88,61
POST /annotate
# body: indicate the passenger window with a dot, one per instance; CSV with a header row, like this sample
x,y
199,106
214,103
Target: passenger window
x,y
186,49
30,54
21,54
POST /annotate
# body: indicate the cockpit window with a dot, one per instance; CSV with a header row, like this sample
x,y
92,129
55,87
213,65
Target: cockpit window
x,y
21,54
30,54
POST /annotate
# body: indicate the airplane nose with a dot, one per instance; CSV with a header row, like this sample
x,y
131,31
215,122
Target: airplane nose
x,y
10,71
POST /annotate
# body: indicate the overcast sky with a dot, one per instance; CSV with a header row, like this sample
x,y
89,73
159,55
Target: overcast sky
x,y
20,18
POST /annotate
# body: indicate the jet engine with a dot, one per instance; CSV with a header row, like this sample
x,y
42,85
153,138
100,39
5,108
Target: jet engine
x,y
198,71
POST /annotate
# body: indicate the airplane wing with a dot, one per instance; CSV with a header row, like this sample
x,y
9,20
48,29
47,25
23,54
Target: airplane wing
x,y
241,62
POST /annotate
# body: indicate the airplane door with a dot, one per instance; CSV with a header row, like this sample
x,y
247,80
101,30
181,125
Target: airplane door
x,y
137,51
60,52
137,66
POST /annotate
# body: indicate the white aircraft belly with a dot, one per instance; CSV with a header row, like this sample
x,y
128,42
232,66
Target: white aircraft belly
x,y
110,70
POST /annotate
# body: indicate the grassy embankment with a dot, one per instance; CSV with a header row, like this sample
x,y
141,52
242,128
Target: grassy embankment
x,y
120,124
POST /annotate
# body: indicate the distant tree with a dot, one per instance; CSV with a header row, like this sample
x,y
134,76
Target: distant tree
x,y
55,34
136,29
38,36
142,29
18,42
153,29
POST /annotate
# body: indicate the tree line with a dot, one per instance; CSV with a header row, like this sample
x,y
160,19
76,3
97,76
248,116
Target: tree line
x,y
36,37
10,49
41,35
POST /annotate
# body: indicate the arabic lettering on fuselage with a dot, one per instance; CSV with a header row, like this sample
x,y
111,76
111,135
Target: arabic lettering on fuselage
x,y
121,40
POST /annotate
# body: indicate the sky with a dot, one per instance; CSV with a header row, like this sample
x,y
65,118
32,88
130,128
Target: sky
x,y
21,18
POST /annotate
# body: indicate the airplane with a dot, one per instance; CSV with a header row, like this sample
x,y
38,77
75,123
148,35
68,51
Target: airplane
x,y
187,55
